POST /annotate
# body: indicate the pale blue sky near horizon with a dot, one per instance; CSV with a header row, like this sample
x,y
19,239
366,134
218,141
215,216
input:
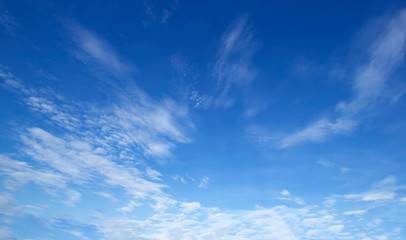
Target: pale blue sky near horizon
x,y
202,120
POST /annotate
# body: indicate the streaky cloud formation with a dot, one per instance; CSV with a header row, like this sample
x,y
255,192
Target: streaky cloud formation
x,y
369,86
91,49
94,146
78,157
7,21
233,65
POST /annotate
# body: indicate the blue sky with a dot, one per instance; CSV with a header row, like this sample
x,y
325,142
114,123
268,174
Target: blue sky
x,y
202,120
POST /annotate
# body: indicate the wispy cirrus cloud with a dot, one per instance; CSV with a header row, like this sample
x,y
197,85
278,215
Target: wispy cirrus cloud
x,y
8,205
318,131
106,145
6,233
73,197
187,78
154,14
168,12
151,124
369,86
81,144
154,126
383,190
7,21
233,66
91,49
204,182
78,162
18,173
96,144
193,221
380,194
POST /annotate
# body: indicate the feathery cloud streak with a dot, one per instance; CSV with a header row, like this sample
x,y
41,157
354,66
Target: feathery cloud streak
x,y
369,86
92,49
96,144
233,64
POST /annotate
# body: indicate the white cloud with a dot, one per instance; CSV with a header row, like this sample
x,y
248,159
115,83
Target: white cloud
x,y
6,233
204,182
130,206
369,86
179,178
354,212
318,131
167,13
106,195
135,120
325,163
11,82
344,169
285,192
18,173
73,197
152,13
95,149
101,142
383,190
372,196
185,72
192,221
390,180
234,56
329,164
336,228
78,164
153,174
92,49
7,21
8,206
191,206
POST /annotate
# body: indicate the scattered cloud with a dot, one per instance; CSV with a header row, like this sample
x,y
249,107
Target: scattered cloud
x,y
285,192
8,206
384,190
187,79
369,86
167,13
204,182
96,143
18,173
329,164
354,212
233,63
318,131
192,220
73,197
79,164
153,174
93,49
107,147
325,163
287,196
6,233
153,15
130,206
135,120
106,195
344,169
372,196
189,207
7,21
179,178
